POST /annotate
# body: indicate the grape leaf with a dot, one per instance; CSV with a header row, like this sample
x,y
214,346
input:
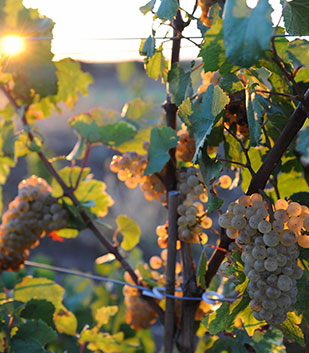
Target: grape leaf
x,y
295,16
19,346
216,321
157,65
71,81
39,309
180,84
137,143
254,114
148,7
162,139
32,68
298,51
39,288
148,47
103,314
135,109
37,332
201,270
130,230
93,130
185,110
247,32
292,330
203,117
65,322
301,197
212,51
285,180
210,170
302,145
167,9
231,83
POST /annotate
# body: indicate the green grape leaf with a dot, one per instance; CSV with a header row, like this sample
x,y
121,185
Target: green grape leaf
x,y
11,307
102,341
162,139
19,346
285,180
180,84
65,322
301,197
130,230
295,16
185,110
39,309
201,270
216,321
37,332
269,341
7,139
249,322
32,68
104,313
91,130
137,143
148,47
298,51
247,32
203,118
231,83
71,81
302,145
5,164
39,288
148,7
157,65
255,114
167,9
135,109
212,51
210,170
291,329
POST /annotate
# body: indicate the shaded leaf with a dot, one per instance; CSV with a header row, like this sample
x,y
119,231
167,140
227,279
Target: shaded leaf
x,y
201,270
162,139
148,47
148,7
180,84
247,32
39,309
296,16
130,231
167,9
37,332
216,321
302,145
254,115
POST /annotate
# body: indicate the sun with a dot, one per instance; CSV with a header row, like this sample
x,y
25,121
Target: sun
x,y
12,45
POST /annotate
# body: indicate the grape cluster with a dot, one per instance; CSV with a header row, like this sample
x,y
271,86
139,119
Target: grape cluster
x,y
269,253
130,168
185,148
32,213
209,77
192,218
139,314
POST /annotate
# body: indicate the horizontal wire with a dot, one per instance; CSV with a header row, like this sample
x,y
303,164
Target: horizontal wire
x,y
155,292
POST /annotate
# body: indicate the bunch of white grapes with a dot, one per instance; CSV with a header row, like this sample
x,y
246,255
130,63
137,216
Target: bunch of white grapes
x,y
269,252
29,216
130,168
185,148
193,217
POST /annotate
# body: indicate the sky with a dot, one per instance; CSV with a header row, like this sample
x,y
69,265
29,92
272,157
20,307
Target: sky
x,y
93,30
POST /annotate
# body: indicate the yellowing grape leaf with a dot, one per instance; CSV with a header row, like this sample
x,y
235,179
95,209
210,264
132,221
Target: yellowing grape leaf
x,y
39,288
103,314
130,230
65,322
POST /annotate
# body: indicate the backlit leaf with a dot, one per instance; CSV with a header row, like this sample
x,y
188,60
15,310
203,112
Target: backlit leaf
x,y
292,330
65,322
180,84
247,32
130,230
103,314
157,65
162,139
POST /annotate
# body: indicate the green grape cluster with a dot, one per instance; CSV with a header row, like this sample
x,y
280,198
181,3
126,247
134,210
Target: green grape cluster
x,y
269,253
192,218
29,216
130,168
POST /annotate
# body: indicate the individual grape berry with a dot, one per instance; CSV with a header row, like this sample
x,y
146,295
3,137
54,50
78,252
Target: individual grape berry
x,y
225,181
295,224
288,238
271,239
294,209
303,241
281,204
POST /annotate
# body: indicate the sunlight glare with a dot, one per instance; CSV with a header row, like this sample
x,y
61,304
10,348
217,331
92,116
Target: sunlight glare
x,y
12,45
252,3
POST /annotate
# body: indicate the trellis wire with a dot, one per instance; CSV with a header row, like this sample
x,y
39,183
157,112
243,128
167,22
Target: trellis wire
x,y
156,292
